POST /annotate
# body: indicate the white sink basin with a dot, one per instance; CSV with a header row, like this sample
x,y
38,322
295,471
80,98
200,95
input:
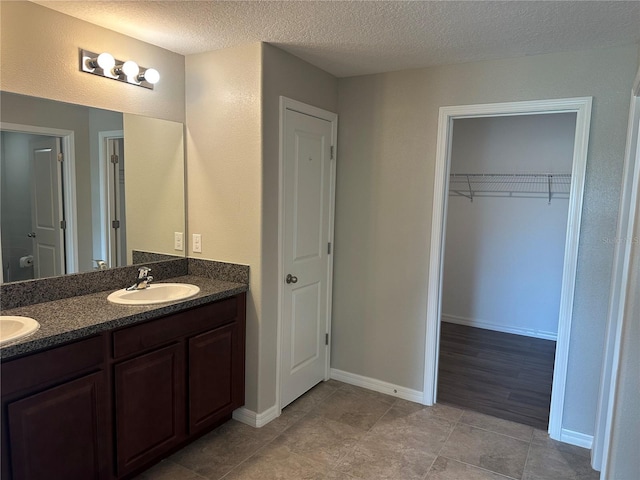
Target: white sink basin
x,y
13,327
155,293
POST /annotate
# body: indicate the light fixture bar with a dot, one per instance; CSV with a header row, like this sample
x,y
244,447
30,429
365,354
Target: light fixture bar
x,y
104,65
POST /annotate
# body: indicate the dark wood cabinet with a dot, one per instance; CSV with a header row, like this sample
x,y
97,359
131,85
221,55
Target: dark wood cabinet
x,y
55,414
112,405
149,406
175,378
60,432
211,376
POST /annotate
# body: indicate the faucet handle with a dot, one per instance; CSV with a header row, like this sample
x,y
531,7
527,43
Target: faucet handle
x,y
143,272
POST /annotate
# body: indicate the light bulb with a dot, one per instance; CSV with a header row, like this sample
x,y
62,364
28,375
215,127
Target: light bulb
x,y
106,61
151,75
130,68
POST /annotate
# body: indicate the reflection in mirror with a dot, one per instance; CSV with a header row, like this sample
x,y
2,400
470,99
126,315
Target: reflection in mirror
x,y
83,188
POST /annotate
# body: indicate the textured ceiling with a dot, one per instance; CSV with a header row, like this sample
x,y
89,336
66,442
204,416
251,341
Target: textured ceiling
x,y
349,38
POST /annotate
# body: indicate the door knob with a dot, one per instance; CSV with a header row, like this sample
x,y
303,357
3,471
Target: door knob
x,y
31,235
291,279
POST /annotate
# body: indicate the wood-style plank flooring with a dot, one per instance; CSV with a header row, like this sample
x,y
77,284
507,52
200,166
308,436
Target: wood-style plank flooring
x,y
500,374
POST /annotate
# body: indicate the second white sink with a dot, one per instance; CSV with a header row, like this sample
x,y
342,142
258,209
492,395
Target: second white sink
x,y
155,293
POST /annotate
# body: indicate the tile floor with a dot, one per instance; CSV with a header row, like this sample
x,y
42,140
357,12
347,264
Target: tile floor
x,y
341,432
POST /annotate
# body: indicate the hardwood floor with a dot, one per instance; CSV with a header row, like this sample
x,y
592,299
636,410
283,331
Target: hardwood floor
x,y
500,374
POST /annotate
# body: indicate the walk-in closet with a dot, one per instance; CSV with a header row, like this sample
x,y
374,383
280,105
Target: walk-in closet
x,y
506,225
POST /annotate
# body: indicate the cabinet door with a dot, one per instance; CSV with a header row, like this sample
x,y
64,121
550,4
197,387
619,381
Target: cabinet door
x,y
61,432
149,396
211,376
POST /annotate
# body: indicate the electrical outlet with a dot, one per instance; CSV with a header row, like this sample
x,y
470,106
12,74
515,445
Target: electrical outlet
x,y
197,243
178,243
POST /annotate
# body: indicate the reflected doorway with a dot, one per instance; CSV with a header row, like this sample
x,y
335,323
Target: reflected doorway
x,y
113,246
33,209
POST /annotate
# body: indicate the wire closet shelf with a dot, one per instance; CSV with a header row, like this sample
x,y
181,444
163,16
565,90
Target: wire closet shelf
x,y
520,185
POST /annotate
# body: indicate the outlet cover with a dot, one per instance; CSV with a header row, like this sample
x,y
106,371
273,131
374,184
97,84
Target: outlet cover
x,y
197,243
178,241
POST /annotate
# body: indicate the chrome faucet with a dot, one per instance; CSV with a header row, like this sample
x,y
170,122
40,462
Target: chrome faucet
x,y
143,280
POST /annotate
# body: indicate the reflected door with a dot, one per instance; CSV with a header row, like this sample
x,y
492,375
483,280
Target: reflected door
x,y
47,220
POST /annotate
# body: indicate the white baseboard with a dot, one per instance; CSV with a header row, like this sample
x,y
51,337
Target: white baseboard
x,y
377,385
576,438
528,332
253,419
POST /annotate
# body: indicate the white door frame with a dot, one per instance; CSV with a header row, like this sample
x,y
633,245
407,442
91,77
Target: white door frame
x,y
582,108
69,179
106,243
629,208
290,104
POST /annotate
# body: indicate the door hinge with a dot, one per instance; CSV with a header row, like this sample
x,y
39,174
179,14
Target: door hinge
x,y
114,158
329,248
63,224
115,224
60,157
331,152
326,339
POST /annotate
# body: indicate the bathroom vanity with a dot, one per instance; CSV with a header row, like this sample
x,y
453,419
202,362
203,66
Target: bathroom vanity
x,y
128,391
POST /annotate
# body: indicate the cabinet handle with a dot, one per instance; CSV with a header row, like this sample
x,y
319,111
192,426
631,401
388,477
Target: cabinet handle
x,y
291,279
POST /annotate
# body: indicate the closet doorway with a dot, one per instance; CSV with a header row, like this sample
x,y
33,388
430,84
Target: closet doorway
x,y
505,231
473,189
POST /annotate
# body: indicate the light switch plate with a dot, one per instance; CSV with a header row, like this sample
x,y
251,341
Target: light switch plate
x,y
197,243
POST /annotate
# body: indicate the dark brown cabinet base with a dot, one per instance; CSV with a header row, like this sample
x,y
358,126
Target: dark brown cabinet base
x,y
60,433
110,406
149,397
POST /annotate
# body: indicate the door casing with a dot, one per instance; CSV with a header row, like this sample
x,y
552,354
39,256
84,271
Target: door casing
x,y
582,107
106,197
629,208
69,180
290,104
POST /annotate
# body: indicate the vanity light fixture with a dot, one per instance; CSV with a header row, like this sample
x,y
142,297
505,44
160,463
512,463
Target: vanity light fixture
x,y
105,65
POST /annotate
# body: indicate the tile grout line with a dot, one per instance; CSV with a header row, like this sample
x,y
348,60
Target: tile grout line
x,y
455,424
305,414
497,433
479,468
355,446
524,469
460,422
275,437
249,457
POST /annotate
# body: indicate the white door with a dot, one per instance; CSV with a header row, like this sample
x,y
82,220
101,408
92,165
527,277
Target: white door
x,y
46,209
307,226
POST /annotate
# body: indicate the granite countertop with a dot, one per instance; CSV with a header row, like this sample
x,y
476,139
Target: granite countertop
x,y
74,318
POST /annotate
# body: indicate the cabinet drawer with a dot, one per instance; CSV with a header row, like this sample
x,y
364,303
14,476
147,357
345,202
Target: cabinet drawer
x,y
154,333
51,366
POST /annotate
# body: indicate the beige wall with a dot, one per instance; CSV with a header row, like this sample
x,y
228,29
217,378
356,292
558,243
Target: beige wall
x,y
385,177
154,184
40,57
232,177
224,164
286,75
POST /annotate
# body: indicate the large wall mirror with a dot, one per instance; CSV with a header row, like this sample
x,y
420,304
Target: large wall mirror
x,y
83,188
